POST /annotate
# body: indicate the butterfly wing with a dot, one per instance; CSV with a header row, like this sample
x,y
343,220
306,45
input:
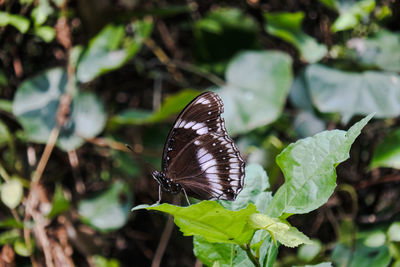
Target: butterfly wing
x,y
199,154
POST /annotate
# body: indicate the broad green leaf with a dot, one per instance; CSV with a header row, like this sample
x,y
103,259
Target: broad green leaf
x,y
308,252
222,33
255,184
59,204
172,105
360,255
257,87
111,48
12,193
36,103
287,26
100,261
225,255
351,93
309,169
351,13
394,232
47,33
280,230
387,153
19,22
210,220
108,210
379,51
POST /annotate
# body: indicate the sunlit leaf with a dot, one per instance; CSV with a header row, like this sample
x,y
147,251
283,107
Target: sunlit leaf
x,y
309,169
47,33
280,231
287,26
108,210
36,103
19,22
100,261
394,232
375,239
256,90
352,93
210,220
351,13
41,12
12,193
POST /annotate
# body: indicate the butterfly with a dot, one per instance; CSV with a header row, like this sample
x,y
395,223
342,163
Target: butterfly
x,y
199,158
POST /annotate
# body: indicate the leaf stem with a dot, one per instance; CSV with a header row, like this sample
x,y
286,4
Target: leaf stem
x,y
252,257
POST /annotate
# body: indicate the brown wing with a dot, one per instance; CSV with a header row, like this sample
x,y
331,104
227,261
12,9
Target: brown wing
x,y
199,154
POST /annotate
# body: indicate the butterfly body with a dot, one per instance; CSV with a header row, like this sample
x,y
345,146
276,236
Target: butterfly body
x,y
199,157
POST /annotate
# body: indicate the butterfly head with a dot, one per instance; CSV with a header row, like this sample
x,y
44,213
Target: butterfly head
x,y
166,184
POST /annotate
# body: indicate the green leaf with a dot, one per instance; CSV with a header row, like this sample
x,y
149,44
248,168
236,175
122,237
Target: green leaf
x,y
11,223
308,252
41,12
111,48
5,136
222,33
6,105
375,239
365,92
59,204
47,33
172,105
379,51
279,230
100,261
287,26
322,264
351,13
394,232
36,103
21,248
387,152
224,254
9,237
210,220
255,184
12,193
360,255
19,22
108,210
257,87
309,169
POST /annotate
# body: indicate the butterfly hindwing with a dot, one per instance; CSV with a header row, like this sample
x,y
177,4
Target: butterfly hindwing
x,y
199,155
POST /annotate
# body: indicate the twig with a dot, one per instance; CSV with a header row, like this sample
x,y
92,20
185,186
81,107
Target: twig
x,y
4,174
163,242
385,179
46,154
253,258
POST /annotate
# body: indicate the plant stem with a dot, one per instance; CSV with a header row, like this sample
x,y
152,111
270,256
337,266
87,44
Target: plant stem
x,y
253,258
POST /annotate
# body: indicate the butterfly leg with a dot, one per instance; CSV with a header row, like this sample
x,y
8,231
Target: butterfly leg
x,y
187,199
159,194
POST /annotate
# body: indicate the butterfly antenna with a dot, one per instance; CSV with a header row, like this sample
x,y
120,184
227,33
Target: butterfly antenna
x,y
149,168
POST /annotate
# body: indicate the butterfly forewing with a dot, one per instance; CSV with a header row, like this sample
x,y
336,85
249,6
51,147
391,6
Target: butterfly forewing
x,y
199,155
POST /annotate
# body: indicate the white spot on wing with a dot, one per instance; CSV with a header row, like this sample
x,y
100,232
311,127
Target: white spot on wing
x,y
208,165
189,124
